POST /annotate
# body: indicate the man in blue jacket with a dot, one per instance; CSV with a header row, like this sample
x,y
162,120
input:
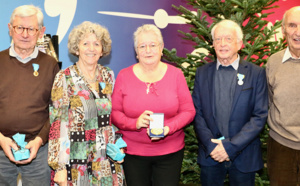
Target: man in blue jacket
x,y
231,100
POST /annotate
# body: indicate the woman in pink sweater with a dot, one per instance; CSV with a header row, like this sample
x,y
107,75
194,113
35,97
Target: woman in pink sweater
x,y
142,89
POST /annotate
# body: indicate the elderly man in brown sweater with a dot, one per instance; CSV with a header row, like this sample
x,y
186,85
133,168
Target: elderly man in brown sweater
x,y
27,76
283,70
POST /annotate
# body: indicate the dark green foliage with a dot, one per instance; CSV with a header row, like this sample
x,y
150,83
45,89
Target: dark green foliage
x,y
258,46
190,171
258,43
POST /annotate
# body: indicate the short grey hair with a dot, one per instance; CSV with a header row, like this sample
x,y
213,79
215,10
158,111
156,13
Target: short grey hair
x,y
147,28
227,22
285,15
27,11
87,27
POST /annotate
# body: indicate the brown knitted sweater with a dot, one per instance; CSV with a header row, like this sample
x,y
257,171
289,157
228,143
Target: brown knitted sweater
x,y
24,98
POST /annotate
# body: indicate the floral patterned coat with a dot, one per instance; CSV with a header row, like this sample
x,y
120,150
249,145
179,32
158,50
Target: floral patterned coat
x,y
81,128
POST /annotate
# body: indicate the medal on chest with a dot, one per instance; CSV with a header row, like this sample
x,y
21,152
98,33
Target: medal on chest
x,y
35,69
240,78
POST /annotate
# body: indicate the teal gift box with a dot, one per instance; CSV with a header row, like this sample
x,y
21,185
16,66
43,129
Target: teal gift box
x,y
21,153
113,150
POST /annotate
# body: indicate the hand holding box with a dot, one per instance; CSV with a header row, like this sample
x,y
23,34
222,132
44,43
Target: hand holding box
x,y
21,153
156,128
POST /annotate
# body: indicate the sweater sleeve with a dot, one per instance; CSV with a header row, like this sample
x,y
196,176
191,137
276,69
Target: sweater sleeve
x,y
119,118
59,142
44,133
186,111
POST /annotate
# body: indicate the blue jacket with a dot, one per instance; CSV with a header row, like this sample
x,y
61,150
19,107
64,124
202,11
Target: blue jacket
x,y
248,116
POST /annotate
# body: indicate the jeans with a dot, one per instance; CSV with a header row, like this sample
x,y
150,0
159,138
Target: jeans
x,y
215,175
35,173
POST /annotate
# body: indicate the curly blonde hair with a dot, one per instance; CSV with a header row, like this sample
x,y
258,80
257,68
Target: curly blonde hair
x,y
87,27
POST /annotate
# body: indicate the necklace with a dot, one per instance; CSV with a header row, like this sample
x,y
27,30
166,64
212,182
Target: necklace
x,y
87,76
148,87
91,80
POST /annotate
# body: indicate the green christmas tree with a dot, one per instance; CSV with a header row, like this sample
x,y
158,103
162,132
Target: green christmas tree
x,y
258,41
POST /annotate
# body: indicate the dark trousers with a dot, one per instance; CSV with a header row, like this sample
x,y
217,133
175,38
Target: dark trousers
x,y
283,164
215,175
153,170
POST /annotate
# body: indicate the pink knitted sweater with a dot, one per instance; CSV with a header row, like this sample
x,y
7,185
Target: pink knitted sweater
x,y
170,96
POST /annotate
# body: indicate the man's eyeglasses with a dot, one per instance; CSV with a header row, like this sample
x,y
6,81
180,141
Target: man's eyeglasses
x,y
20,30
151,46
227,39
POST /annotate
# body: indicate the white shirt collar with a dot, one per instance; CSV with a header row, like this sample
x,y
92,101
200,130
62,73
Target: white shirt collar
x,y
235,64
13,53
287,55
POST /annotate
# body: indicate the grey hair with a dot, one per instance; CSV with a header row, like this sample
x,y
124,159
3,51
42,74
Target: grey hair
x,y
27,11
233,24
147,28
284,19
87,27
285,15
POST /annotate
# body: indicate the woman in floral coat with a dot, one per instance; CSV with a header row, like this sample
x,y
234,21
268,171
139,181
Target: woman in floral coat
x,y
80,114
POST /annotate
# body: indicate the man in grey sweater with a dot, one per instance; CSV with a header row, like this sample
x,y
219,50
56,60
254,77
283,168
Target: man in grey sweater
x,y
283,70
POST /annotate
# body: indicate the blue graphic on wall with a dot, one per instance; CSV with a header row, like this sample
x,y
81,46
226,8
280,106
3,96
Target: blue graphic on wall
x,y
120,17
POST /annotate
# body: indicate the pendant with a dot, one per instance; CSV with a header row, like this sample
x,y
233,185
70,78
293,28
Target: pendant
x,y
240,78
35,73
35,69
148,87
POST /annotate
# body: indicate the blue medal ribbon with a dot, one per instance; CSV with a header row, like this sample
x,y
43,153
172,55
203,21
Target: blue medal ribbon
x,y
240,78
102,84
35,69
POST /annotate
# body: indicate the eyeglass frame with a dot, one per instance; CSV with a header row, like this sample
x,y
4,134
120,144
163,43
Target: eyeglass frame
x,y
152,46
24,28
226,39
